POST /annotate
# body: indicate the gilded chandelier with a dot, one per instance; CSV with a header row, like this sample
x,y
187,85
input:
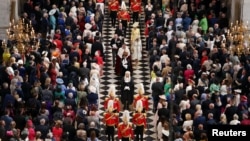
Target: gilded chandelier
x,y
21,35
239,38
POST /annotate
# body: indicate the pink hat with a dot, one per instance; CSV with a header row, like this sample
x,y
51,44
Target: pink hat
x,y
29,123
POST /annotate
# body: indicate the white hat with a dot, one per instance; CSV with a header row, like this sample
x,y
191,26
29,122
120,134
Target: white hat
x,y
45,53
141,87
204,73
177,56
20,62
88,26
126,116
162,97
52,11
189,66
53,57
10,70
112,89
136,24
139,105
111,104
123,6
92,89
237,91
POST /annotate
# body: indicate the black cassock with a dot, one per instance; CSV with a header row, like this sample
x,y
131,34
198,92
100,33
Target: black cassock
x,y
126,65
120,65
127,93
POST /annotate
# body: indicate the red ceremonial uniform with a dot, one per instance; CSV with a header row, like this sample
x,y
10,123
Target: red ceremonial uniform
x,y
116,105
133,1
114,6
135,7
144,100
111,119
124,16
125,131
99,1
139,119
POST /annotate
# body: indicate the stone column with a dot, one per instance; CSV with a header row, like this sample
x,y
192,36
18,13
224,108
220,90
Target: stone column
x,y
8,11
236,9
245,11
5,17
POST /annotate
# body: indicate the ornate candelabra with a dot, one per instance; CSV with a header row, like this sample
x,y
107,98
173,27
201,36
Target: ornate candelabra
x,y
239,38
21,35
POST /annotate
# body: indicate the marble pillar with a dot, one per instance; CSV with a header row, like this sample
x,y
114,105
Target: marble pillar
x,y
5,17
245,11
7,14
236,10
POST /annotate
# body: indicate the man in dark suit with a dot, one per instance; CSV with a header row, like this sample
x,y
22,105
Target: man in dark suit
x,y
115,44
172,46
97,46
43,128
157,90
84,71
200,119
91,128
188,110
119,30
164,111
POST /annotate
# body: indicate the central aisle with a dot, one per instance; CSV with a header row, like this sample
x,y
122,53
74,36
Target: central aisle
x,y
141,74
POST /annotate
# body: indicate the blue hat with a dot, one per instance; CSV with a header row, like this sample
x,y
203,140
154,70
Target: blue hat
x,y
59,81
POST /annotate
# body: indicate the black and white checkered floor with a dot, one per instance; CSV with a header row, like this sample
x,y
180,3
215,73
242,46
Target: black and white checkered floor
x,y
141,74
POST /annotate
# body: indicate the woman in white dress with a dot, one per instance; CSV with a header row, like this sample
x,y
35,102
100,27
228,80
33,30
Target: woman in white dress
x,y
136,50
195,25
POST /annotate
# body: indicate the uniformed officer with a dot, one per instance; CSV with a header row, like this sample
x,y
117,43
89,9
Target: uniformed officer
x,y
135,7
139,120
124,17
125,129
142,97
112,96
113,7
111,119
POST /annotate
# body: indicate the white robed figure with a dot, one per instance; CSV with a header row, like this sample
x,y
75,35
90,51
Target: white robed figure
x,y
136,50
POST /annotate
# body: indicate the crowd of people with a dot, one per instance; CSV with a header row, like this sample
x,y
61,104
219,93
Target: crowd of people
x,y
52,92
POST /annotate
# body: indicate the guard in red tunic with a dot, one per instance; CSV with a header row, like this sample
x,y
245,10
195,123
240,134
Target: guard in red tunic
x,y
112,96
125,129
139,120
113,9
135,7
124,17
142,97
111,119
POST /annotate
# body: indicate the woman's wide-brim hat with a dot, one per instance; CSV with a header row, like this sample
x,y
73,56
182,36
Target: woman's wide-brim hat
x,y
136,24
59,81
88,26
163,97
52,12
